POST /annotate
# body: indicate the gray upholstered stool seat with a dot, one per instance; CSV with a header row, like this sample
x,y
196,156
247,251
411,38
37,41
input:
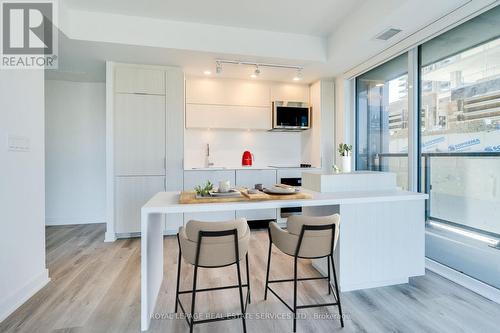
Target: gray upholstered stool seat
x,y
216,251
314,244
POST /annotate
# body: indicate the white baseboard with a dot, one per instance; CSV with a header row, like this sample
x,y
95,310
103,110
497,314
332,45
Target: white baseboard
x,y
10,303
52,221
109,237
466,281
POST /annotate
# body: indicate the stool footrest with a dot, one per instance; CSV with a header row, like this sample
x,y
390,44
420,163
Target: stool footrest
x,y
299,279
212,289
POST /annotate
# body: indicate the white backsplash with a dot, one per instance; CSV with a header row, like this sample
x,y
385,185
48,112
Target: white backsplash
x,y
227,146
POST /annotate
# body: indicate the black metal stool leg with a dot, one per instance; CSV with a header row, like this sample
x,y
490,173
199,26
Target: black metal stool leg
x,y
268,265
178,275
248,280
329,287
193,299
295,295
337,292
241,297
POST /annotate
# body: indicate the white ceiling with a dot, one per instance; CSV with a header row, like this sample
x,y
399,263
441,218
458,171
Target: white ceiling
x,y
326,37
85,61
311,17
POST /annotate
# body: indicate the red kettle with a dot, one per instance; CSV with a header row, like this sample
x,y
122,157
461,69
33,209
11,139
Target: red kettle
x,y
247,158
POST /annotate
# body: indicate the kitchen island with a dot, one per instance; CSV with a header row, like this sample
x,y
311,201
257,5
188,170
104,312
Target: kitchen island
x,y
381,242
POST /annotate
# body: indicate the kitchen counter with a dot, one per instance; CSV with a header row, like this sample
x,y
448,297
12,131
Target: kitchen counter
x,y
218,168
382,236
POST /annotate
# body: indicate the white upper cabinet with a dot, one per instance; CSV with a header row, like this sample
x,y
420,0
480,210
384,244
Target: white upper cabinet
x,y
236,104
231,104
226,116
139,135
290,92
139,81
227,92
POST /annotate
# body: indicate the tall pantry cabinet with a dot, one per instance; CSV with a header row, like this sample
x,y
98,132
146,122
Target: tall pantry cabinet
x,y
144,124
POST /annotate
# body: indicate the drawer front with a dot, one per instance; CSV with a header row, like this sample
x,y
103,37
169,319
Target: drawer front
x,y
200,177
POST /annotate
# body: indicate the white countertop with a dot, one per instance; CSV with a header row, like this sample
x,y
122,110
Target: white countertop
x,y
168,202
222,168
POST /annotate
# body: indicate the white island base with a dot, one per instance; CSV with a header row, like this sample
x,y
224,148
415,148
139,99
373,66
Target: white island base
x,y
381,242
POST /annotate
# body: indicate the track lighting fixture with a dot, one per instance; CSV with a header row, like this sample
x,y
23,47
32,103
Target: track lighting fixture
x,y
258,65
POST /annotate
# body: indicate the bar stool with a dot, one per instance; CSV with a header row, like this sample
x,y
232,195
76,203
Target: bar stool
x,y
213,245
310,238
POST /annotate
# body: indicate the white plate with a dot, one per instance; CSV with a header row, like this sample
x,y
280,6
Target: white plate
x,y
231,193
279,190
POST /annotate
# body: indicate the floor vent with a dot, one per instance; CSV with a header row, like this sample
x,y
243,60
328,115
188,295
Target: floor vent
x,y
388,34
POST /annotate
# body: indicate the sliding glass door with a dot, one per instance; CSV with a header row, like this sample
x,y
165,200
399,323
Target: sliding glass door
x,y
382,119
459,137
460,144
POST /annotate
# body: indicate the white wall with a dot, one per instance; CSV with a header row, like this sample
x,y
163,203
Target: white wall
x,y
75,152
318,143
227,146
22,189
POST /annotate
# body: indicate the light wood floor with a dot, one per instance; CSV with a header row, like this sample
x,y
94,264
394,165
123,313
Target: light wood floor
x,y
95,287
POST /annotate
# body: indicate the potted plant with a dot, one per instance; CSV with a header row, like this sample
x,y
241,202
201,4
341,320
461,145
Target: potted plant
x,y
345,156
204,190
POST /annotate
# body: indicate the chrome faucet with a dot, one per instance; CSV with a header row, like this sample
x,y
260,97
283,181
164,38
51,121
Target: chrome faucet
x,y
208,162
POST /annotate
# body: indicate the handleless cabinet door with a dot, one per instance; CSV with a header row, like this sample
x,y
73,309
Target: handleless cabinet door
x,y
139,135
248,178
131,193
200,177
139,81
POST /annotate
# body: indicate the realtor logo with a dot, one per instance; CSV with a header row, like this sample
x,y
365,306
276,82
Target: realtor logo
x,y
29,34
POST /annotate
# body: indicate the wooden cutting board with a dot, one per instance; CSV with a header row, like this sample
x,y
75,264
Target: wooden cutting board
x,y
190,197
265,196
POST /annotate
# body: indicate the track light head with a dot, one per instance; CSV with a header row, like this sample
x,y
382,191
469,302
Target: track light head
x,y
218,67
256,72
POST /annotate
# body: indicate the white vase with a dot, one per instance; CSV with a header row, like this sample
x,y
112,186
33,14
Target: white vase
x,y
346,163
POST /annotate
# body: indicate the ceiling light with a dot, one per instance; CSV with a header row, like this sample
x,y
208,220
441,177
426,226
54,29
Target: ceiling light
x,y
298,76
207,72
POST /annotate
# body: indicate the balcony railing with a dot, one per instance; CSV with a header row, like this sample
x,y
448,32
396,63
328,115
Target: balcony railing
x,y
463,187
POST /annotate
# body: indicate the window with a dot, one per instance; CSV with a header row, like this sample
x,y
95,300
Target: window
x,y
459,137
382,119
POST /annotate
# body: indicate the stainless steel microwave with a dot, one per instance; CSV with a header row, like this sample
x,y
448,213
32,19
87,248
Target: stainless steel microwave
x,y
291,116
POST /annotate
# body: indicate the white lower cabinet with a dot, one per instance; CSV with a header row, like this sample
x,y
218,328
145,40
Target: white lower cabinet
x,y
193,178
248,178
131,193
